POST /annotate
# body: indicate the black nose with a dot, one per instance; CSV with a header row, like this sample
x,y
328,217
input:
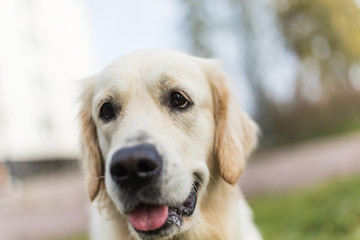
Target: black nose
x,y
135,166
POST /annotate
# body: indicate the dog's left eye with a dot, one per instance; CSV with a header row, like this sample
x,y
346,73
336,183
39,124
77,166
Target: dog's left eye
x,y
107,112
178,100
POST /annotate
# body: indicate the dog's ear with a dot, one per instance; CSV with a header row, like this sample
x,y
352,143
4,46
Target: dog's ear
x,y
236,133
92,161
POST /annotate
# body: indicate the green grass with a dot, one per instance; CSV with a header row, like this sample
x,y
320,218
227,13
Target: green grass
x,y
76,237
327,212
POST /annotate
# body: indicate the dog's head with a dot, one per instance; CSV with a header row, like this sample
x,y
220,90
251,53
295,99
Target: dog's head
x,y
156,126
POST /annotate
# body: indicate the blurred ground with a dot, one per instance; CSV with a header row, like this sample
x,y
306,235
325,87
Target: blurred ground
x,y
302,165
44,208
56,206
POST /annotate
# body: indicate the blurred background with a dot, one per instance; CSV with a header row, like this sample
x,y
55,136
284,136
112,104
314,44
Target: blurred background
x,y
295,66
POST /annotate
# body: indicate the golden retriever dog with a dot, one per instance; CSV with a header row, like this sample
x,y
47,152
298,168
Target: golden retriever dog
x,y
164,144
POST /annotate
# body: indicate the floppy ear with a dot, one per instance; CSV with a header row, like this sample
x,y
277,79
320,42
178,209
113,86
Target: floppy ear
x,y
236,132
91,155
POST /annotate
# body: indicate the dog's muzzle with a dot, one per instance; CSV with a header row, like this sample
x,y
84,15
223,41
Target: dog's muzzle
x,y
136,170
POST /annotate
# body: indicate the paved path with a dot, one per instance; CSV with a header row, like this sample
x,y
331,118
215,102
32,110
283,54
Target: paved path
x,y
56,206
302,165
44,208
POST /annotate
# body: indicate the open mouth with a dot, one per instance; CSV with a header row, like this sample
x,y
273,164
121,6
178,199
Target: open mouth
x,y
150,219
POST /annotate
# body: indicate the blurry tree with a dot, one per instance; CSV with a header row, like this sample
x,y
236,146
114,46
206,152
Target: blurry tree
x,y
255,24
203,21
197,25
326,34
325,37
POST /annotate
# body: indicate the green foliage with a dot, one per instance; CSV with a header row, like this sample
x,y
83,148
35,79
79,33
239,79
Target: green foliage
x,y
326,212
325,35
338,21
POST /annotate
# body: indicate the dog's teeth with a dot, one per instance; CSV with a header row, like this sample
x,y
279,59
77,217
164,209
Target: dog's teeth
x,y
174,218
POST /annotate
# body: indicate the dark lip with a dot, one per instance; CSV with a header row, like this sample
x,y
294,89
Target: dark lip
x,y
176,214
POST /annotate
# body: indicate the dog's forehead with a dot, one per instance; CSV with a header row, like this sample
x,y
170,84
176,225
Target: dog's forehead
x,y
151,67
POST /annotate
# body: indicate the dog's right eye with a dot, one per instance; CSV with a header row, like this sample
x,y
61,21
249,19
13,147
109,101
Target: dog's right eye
x,y
107,112
179,101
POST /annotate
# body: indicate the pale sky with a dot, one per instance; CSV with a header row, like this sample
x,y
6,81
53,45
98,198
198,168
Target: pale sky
x,y
119,27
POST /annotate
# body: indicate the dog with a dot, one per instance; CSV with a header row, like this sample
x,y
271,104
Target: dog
x,y
164,144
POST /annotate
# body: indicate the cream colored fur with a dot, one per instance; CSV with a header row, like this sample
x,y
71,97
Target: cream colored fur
x,y
212,139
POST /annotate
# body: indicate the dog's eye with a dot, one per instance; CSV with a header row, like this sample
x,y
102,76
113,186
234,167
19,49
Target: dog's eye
x,y
107,112
178,100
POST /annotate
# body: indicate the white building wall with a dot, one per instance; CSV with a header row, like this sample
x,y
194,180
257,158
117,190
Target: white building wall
x,y
45,48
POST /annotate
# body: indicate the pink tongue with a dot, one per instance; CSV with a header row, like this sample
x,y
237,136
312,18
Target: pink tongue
x,y
148,218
